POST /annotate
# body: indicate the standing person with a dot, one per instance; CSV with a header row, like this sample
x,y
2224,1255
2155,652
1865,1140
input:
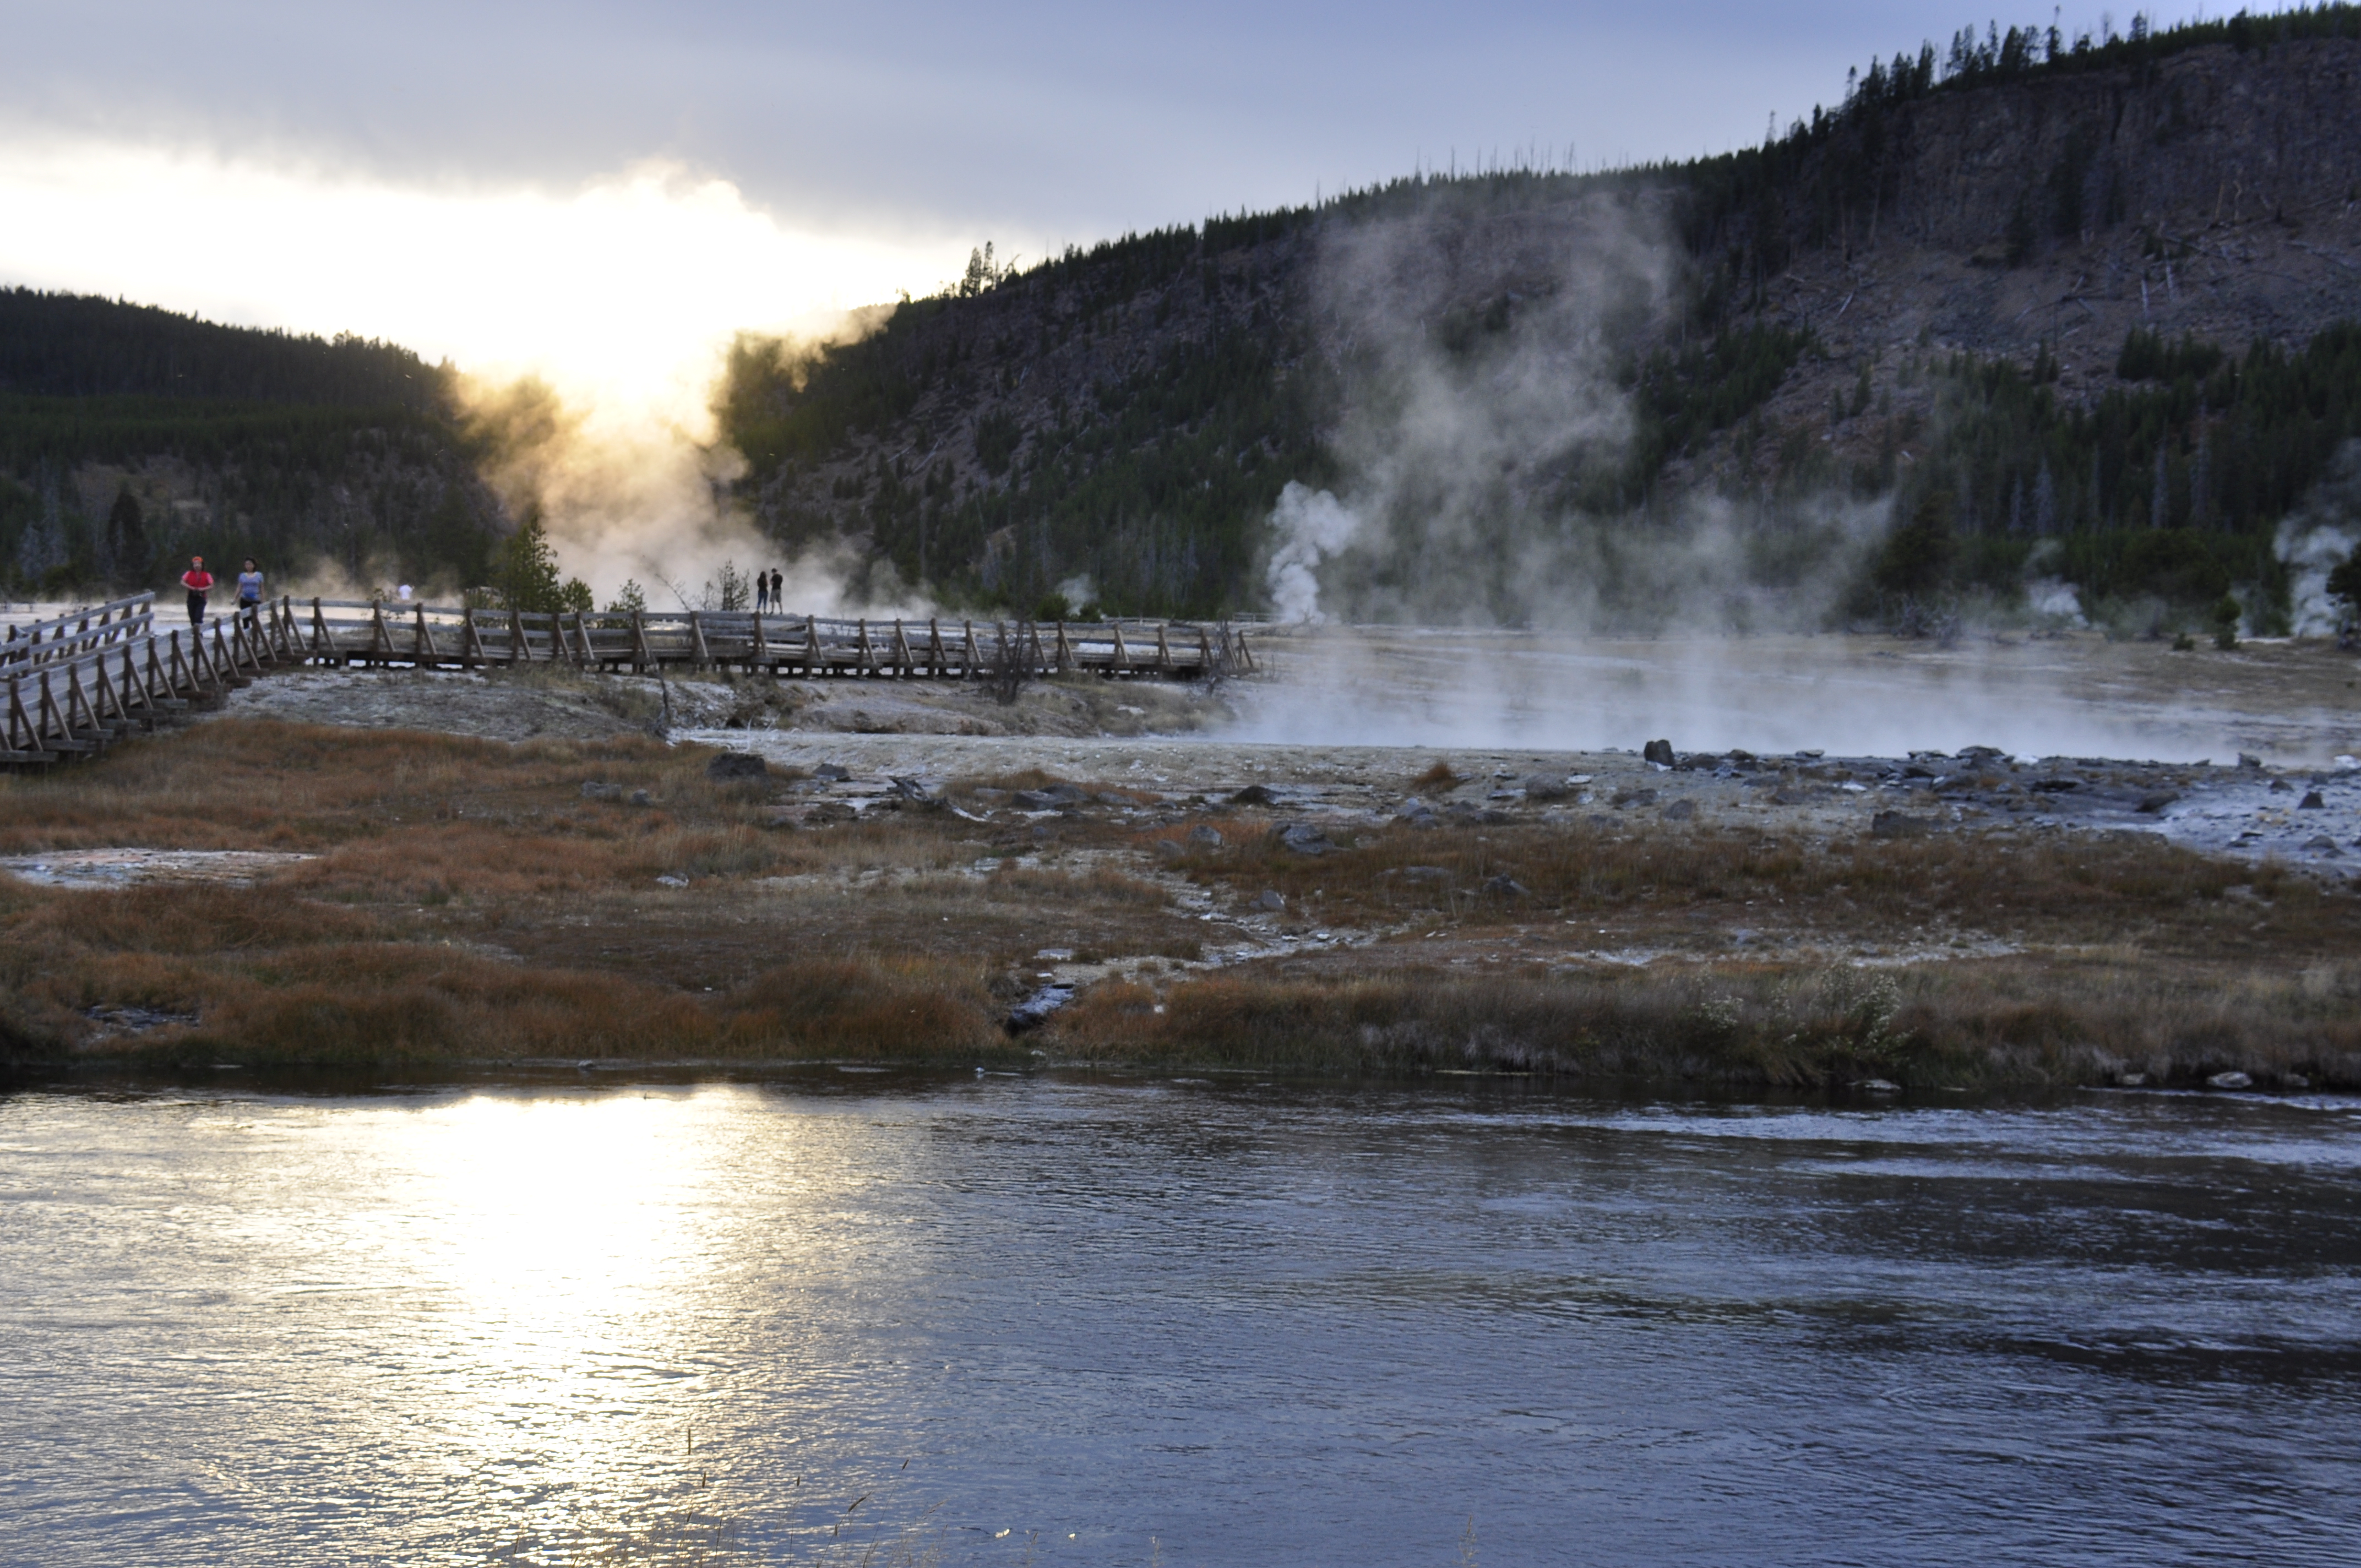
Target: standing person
x,y
777,607
199,582
762,592
249,595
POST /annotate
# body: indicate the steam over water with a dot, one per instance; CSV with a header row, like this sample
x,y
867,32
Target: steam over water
x,y
1058,1322
2078,695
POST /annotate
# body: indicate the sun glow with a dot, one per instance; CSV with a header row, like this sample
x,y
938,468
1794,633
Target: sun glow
x,y
620,294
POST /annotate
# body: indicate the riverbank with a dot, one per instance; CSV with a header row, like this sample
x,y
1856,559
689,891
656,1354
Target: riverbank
x,y
269,893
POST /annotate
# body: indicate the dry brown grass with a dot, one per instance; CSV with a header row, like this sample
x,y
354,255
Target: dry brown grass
x,y
467,902
1675,885
2007,1022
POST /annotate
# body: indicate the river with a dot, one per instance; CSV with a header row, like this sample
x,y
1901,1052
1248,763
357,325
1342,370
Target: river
x,y
852,1318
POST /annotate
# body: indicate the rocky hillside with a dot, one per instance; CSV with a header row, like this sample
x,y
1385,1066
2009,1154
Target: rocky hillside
x,y
1920,303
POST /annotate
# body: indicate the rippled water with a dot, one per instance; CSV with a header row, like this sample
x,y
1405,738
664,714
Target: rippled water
x,y
1069,1321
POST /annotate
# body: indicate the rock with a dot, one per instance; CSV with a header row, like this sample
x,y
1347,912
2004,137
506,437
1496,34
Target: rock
x,y
1254,794
668,880
1035,1009
1109,797
2323,844
1303,839
1270,899
2131,1081
1203,833
832,773
1658,752
2246,761
1788,797
1548,787
1630,797
2229,1080
1898,825
1425,873
641,797
2056,786
1416,813
1680,811
2154,804
916,789
594,790
2281,786
2314,801
737,765
1877,1085
2294,1080
1056,799
1505,886
1169,848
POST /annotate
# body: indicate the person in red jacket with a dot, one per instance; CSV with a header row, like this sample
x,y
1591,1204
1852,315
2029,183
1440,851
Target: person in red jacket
x,y
199,582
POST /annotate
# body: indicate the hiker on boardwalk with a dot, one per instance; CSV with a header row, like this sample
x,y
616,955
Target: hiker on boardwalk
x,y
249,595
775,606
762,592
199,582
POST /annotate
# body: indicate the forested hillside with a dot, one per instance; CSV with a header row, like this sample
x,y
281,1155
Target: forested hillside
x,y
2021,310
2076,308
130,437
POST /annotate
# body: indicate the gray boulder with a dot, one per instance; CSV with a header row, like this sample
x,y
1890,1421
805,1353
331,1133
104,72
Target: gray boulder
x,y
737,765
1658,752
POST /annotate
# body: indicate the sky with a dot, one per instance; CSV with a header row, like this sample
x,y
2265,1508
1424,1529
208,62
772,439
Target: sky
x,y
603,192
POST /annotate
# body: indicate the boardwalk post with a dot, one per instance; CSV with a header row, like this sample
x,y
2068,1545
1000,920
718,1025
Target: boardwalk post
x,y
1117,667
1061,647
759,649
901,652
516,634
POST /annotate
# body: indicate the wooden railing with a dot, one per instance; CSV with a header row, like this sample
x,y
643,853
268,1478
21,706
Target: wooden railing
x,y
73,684
350,631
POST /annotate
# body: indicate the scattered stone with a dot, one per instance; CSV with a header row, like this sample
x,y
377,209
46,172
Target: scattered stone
x,y
1425,873
2154,804
2323,844
1036,1009
1416,813
2246,761
2131,1081
594,790
1270,899
2294,1080
668,880
2314,801
1658,752
2056,786
1680,811
832,773
2229,1080
1505,886
1898,825
1109,797
1207,835
916,789
737,765
1056,797
2281,786
1548,787
1303,839
1877,1085
1630,797
1254,794
1788,797
1169,848
641,797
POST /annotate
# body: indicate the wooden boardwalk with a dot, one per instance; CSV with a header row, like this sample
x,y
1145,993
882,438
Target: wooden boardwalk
x,y
77,682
